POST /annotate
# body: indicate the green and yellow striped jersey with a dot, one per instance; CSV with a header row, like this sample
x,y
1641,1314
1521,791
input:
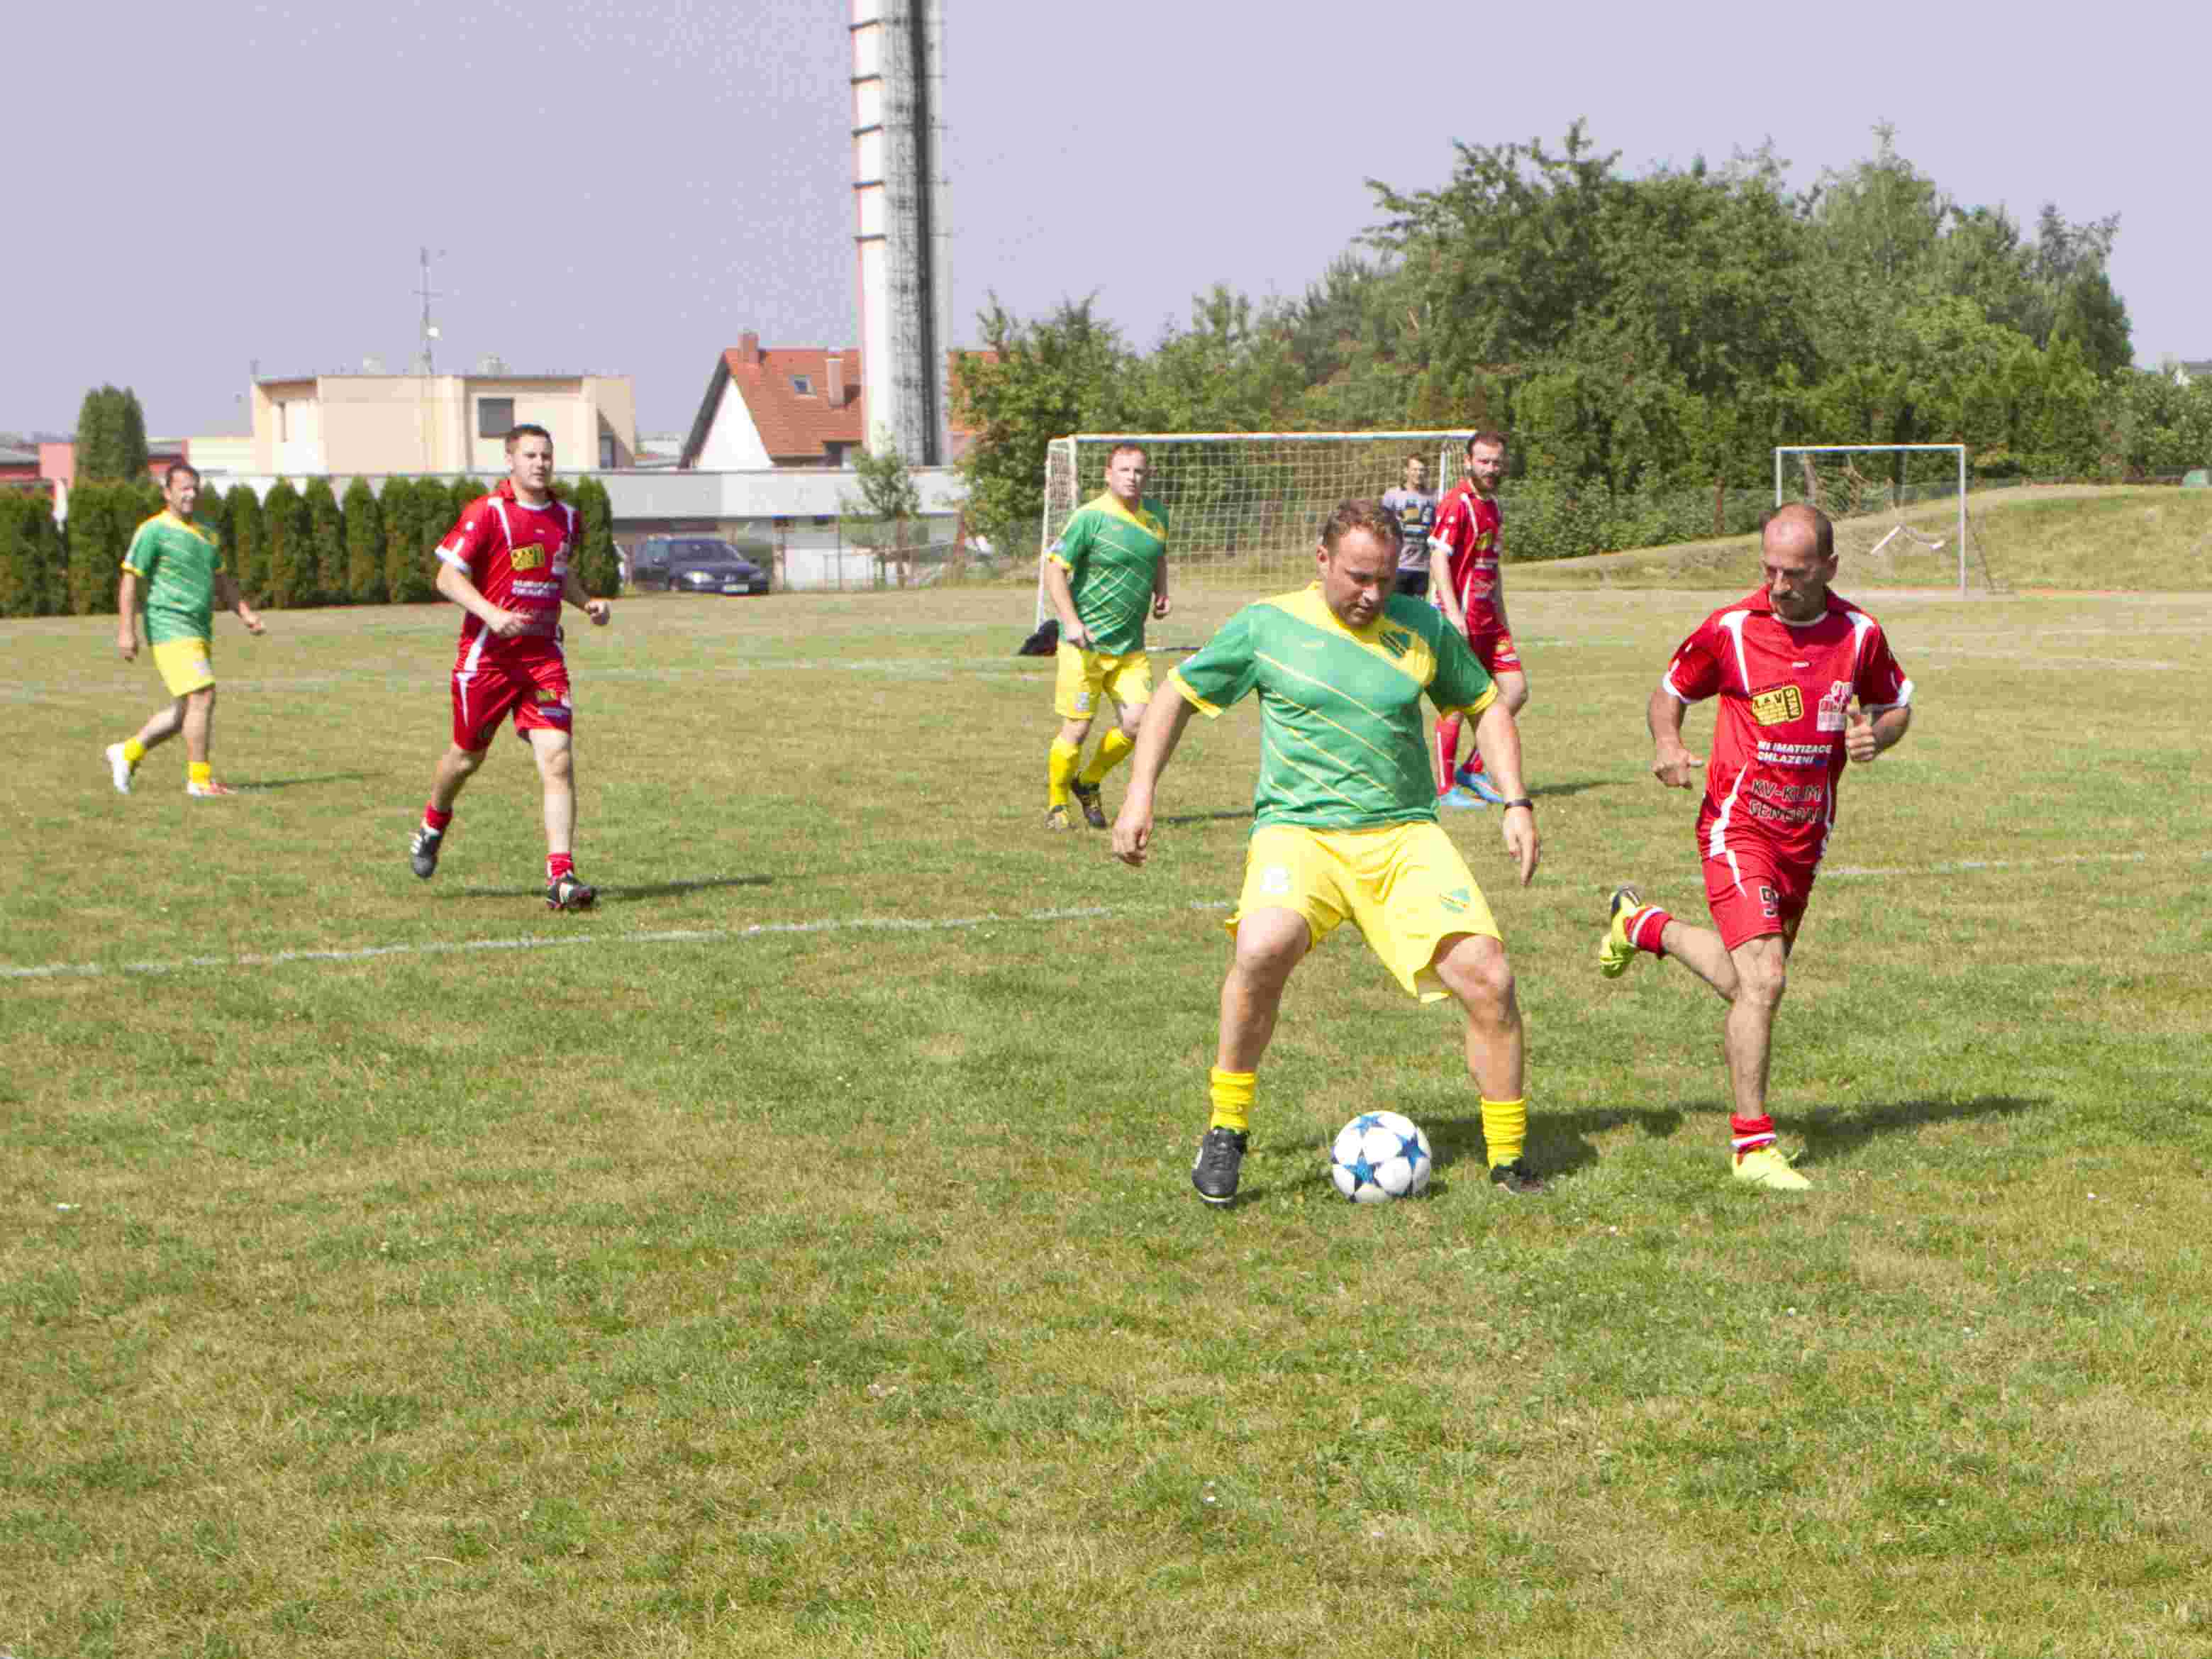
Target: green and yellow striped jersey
x,y
177,560
1112,557
1341,741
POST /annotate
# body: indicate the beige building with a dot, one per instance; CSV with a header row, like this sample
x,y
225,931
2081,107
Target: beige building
x,y
386,424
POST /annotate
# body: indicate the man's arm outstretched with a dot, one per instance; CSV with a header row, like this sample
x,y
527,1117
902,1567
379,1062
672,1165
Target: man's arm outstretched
x,y
1171,711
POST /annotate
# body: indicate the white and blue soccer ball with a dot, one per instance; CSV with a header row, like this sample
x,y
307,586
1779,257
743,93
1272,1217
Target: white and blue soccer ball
x,y
1380,1156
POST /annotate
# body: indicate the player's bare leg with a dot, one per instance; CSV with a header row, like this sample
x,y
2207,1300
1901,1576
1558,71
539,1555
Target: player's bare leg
x,y
1751,979
557,771
1747,1036
199,739
163,725
454,770
1762,973
556,756
198,724
123,758
1270,944
1475,969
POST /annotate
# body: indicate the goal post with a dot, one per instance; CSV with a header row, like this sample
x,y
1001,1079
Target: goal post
x,y
1895,506
1244,508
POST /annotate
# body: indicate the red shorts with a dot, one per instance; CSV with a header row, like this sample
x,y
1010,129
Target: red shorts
x,y
532,686
1752,893
1493,647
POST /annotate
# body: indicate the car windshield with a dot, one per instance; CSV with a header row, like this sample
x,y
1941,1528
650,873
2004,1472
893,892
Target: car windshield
x,y
705,553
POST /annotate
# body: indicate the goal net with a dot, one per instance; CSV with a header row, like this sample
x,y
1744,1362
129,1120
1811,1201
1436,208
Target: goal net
x,y
1899,509
1244,508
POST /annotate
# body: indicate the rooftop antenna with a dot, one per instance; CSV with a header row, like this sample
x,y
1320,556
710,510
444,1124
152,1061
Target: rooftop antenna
x,y
425,293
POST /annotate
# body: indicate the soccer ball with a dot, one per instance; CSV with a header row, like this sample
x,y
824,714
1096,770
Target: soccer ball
x,y
1379,1156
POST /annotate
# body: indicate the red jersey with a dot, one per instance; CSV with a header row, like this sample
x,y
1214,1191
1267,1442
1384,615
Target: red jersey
x,y
1469,529
1778,737
517,557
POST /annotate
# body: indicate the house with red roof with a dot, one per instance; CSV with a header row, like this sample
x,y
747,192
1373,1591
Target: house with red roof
x,y
782,406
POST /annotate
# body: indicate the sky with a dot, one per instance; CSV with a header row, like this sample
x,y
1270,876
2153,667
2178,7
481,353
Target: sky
x,y
625,186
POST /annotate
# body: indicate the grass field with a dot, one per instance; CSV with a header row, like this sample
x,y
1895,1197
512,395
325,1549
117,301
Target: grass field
x,y
796,1255
2021,539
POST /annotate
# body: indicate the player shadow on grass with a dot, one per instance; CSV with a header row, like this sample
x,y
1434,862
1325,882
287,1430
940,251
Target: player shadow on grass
x,y
1203,817
1557,1141
622,895
262,785
1836,1132
1575,787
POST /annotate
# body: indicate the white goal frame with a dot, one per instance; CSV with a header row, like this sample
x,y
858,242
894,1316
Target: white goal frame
x,y
1190,552
1959,538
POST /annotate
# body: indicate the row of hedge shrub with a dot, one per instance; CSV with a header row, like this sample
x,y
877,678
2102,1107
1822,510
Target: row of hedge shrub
x,y
299,547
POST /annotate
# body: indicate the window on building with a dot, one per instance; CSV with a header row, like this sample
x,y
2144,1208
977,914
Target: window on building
x,y
802,386
606,451
495,417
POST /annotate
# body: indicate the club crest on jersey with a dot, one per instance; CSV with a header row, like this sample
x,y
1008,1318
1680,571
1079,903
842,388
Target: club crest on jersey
x,y
1832,705
1777,705
526,558
1397,641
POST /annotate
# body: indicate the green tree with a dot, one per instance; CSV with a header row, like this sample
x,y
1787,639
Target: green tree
x,y
103,517
111,437
248,544
598,570
324,565
21,583
407,576
289,532
881,517
1068,372
34,559
364,543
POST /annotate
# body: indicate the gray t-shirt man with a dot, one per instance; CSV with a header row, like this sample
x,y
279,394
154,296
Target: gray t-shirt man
x,y
1416,508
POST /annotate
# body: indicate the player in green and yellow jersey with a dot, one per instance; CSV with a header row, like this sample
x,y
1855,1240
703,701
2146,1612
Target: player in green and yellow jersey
x,y
180,562
1346,821
1105,574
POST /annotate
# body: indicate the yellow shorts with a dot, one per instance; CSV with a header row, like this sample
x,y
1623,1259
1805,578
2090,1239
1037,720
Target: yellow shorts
x,y
1089,680
186,665
1405,884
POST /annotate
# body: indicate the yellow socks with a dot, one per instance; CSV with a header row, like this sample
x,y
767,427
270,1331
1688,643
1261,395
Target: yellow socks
x,y
1060,772
1112,751
1232,1098
201,772
133,752
1504,1125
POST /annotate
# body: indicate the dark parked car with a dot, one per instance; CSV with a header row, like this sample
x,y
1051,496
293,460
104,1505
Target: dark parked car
x,y
697,564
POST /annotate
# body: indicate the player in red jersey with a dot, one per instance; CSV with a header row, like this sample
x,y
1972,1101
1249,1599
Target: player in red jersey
x,y
1468,587
508,564
1807,683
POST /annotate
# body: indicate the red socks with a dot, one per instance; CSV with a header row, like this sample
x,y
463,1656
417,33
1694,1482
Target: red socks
x,y
558,865
434,819
1447,751
1647,927
1748,1134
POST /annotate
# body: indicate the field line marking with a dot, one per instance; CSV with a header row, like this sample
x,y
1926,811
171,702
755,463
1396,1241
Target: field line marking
x,y
554,942
877,924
